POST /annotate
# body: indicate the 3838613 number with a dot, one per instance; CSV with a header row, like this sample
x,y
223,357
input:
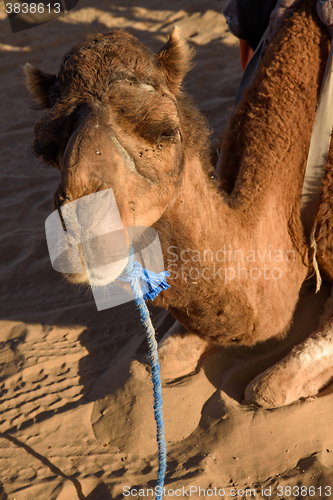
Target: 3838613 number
x,y
304,491
33,8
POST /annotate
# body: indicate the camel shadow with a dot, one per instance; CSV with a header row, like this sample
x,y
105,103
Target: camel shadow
x,y
99,493
3,495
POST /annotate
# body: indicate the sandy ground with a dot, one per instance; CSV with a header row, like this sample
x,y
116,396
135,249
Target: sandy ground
x,y
76,403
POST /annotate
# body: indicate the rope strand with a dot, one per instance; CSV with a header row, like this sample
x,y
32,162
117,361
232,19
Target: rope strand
x,y
147,284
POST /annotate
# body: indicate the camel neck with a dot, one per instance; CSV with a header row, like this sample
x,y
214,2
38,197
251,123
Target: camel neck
x,y
219,263
196,213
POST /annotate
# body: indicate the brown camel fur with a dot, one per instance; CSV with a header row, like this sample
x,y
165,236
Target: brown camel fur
x,y
236,249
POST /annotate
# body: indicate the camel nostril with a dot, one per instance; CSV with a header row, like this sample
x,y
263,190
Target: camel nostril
x,y
60,198
63,200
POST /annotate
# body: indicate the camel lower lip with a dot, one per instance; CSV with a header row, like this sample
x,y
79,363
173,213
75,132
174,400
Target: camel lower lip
x,y
104,275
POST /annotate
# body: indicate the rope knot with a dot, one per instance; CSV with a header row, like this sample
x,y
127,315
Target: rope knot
x,y
151,283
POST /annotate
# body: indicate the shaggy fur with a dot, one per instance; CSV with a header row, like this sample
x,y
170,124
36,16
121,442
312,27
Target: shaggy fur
x,y
91,73
114,96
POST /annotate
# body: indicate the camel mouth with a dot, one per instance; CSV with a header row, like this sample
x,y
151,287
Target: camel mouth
x,y
104,257
93,276
104,275
101,259
88,244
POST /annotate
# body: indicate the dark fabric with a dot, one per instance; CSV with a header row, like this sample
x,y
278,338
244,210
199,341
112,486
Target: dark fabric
x,y
253,17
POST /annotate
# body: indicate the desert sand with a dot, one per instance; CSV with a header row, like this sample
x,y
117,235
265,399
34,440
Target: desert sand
x,y
76,399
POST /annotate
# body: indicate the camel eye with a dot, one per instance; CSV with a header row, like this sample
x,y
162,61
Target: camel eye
x,y
168,134
157,133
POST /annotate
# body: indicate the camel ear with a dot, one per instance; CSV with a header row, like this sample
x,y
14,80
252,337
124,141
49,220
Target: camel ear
x,y
39,84
175,59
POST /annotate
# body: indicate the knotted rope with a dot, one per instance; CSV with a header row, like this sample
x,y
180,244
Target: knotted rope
x,y
147,284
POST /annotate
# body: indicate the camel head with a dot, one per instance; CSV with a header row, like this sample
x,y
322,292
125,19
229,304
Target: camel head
x,y
116,117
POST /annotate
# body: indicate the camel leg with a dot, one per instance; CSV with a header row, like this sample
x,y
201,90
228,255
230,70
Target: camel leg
x,y
179,352
302,373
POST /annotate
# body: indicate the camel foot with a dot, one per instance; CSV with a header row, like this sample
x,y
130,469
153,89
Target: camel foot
x,y
179,352
306,370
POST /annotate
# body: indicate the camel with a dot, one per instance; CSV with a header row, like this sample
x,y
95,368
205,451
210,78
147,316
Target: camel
x,y
116,116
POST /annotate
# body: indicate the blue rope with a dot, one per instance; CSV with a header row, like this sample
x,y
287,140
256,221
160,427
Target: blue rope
x,y
147,284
